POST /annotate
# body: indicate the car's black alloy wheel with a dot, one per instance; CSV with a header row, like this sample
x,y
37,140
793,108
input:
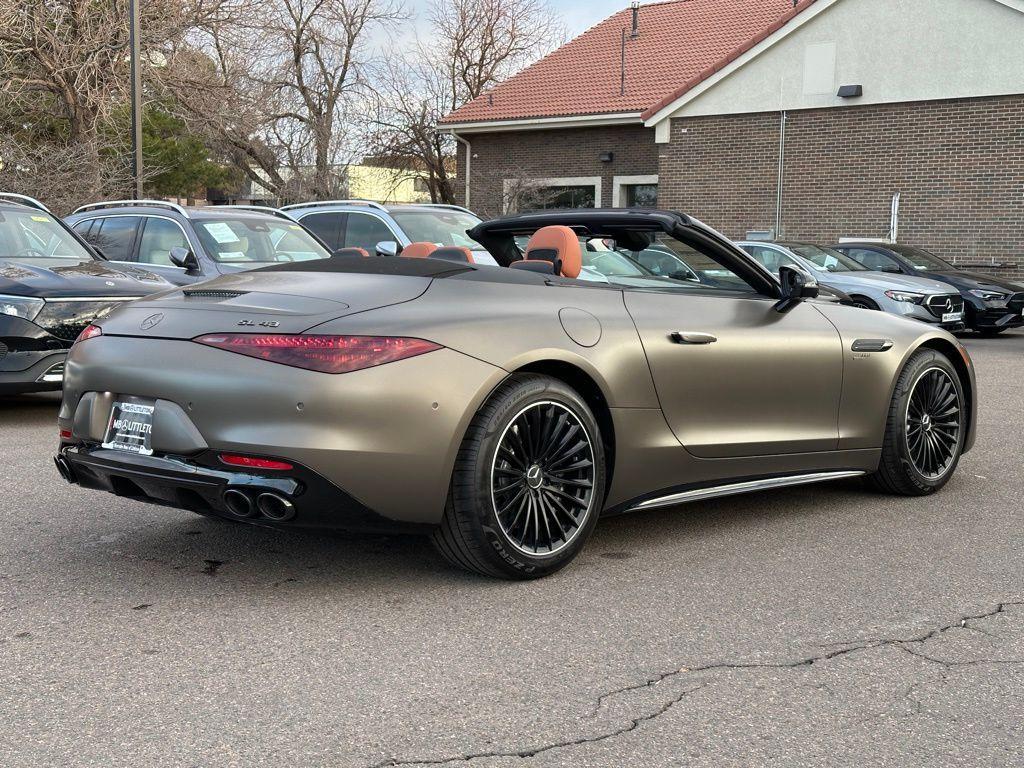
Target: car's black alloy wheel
x,y
933,422
542,478
925,432
528,482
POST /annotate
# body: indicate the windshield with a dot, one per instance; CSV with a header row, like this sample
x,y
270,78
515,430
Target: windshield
x,y
921,258
32,234
826,258
440,226
253,240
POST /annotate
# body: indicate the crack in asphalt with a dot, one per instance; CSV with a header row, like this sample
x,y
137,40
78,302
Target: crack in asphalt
x,y
845,648
533,751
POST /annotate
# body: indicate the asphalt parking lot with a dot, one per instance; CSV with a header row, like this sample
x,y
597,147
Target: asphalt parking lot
x,y
812,626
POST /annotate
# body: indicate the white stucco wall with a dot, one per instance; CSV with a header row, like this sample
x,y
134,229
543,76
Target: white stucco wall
x,y
898,50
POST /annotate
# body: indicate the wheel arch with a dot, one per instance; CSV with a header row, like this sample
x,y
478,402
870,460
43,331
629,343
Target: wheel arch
x,y
591,392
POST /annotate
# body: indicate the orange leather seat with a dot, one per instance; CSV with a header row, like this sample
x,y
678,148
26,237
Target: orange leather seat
x,y
454,253
557,245
418,250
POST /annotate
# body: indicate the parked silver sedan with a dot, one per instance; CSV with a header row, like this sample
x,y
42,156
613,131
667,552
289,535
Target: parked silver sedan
x,y
920,298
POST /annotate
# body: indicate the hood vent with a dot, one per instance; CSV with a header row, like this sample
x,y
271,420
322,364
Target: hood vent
x,y
210,293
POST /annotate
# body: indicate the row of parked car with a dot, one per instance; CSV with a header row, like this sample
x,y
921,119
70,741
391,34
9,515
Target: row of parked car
x,y
56,277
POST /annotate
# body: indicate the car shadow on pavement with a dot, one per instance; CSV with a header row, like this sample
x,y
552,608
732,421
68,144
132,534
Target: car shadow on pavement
x,y
182,552
43,404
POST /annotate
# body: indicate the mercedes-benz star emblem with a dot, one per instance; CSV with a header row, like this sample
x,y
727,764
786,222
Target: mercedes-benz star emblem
x,y
150,321
949,305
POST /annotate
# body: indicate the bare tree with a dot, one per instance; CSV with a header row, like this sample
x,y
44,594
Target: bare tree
x,y
275,87
472,45
64,80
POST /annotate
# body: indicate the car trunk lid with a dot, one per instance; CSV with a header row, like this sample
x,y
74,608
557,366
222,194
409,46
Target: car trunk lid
x,y
260,302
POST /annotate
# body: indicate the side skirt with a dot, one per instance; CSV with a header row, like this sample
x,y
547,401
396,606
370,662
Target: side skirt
x,y
735,488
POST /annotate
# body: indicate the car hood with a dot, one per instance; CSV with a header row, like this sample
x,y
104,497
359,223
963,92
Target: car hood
x,y
970,280
61,278
883,281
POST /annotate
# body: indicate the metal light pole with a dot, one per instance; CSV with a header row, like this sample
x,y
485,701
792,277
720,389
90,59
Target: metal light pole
x,y
133,39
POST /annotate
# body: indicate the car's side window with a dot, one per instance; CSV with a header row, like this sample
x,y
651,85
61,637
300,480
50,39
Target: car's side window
x,y
770,258
329,227
364,231
871,258
115,236
83,227
158,238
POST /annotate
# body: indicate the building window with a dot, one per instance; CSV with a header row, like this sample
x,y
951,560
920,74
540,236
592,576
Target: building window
x,y
526,194
563,197
641,195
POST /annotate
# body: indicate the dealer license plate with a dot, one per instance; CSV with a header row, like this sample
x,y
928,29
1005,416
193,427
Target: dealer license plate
x,y
131,426
952,317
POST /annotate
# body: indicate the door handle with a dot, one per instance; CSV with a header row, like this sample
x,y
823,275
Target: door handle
x,y
692,337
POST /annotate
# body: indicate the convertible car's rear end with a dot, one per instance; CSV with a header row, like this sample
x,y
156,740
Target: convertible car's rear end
x,y
213,399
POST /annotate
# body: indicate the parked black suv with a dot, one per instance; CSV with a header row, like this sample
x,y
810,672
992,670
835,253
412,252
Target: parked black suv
x,y
992,304
52,285
186,245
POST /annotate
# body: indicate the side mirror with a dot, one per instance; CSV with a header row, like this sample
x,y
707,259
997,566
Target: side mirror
x,y
891,268
796,286
386,248
184,258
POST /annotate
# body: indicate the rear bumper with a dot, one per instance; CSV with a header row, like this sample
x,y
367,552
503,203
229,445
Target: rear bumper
x,y
387,435
201,485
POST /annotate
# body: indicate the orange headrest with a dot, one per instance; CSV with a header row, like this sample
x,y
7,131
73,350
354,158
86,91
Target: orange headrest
x,y
557,243
418,250
453,253
352,251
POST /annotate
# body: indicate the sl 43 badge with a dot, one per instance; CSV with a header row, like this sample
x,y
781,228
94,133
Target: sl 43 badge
x,y
260,323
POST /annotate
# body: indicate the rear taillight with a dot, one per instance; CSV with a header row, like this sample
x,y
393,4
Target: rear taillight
x,y
329,354
253,462
89,332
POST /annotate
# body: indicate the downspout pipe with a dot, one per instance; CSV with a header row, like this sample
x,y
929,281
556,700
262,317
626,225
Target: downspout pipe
x,y
782,172
469,160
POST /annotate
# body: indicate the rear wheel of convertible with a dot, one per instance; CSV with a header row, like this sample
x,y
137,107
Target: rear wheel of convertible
x,y
925,433
528,482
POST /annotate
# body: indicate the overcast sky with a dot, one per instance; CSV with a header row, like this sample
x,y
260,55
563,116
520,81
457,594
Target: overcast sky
x,y
578,15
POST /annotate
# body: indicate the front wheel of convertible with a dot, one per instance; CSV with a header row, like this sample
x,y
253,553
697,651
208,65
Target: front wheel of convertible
x,y
528,482
925,433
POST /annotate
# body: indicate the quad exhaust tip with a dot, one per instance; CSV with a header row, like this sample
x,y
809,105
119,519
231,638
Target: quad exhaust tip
x,y
239,504
275,507
272,506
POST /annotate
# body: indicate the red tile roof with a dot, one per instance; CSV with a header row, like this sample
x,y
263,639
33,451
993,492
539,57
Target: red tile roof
x,y
681,43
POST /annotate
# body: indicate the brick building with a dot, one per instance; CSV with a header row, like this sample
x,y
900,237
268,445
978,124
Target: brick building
x,y
823,120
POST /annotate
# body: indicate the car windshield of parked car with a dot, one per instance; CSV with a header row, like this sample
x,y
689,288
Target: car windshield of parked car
x,y
826,258
921,259
32,234
442,227
257,241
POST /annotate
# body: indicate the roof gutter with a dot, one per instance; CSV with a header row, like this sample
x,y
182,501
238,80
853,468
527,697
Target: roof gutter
x,y
539,123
